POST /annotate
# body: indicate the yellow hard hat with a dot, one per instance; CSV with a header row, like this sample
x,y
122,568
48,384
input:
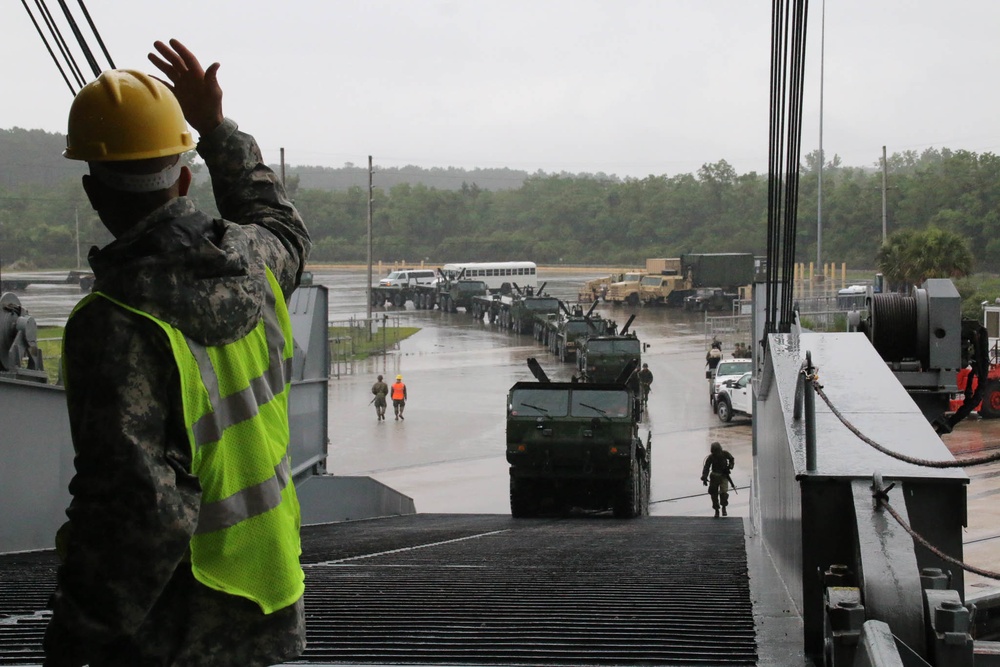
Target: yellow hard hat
x,y
399,377
125,115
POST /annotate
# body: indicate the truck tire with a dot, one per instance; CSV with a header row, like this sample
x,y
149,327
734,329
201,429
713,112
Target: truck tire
x,y
632,300
990,408
399,300
724,409
628,504
523,499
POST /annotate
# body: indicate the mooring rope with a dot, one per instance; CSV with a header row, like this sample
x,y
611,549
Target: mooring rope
x,y
881,497
956,463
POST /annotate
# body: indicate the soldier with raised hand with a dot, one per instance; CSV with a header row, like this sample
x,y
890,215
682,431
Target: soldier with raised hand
x,y
182,545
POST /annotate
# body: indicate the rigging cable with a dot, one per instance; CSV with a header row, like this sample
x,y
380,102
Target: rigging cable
x,y
788,48
97,35
48,48
87,53
60,42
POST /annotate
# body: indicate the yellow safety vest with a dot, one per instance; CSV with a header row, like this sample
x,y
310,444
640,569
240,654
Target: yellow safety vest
x,y
235,400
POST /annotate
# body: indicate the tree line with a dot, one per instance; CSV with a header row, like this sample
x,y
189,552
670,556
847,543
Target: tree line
x,y
592,219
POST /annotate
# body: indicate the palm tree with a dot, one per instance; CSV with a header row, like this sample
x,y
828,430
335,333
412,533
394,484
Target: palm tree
x,y
909,258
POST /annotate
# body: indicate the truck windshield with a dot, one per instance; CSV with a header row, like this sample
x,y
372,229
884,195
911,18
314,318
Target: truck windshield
x,y
542,304
537,402
607,403
627,345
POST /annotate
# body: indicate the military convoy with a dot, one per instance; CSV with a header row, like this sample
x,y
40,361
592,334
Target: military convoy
x,y
427,289
575,445
511,307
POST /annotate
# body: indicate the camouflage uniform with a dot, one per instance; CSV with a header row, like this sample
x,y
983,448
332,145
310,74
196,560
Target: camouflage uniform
x,y
126,594
381,390
715,474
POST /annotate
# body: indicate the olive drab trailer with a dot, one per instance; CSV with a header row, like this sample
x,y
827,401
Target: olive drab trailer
x,y
575,445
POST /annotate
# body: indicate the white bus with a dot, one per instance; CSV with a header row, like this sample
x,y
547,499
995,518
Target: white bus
x,y
495,274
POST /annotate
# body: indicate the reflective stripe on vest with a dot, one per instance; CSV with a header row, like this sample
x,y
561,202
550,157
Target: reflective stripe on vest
x,y
398,391
235,402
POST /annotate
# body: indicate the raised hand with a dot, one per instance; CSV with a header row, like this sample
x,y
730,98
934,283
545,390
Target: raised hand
x,y
196,89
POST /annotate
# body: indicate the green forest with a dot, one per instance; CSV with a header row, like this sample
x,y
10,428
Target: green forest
x,y
447,215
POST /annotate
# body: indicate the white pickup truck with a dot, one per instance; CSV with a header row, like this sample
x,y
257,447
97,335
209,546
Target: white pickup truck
x,y
735,397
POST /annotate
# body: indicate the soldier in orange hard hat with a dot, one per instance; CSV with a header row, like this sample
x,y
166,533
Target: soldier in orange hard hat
x,y
398,397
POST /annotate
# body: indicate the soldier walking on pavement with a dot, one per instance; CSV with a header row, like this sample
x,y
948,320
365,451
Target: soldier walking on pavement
x,y
713,357
715,475
398,397
182,546
381,390
645,380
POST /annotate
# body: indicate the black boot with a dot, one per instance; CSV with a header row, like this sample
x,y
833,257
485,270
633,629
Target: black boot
x,y
716,512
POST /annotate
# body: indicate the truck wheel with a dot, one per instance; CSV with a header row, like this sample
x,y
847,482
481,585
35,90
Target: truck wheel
x,y
632,300
399,300
628,504
990,408
724,409
523,502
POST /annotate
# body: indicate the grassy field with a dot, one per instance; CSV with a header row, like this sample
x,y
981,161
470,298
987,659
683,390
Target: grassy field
x,y
355,343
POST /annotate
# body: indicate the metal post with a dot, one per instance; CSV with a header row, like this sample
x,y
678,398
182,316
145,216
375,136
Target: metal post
x,y
282,167
885,169
368,291
819,193
809,400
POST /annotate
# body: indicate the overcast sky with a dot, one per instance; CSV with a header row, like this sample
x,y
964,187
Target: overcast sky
x,y
630,87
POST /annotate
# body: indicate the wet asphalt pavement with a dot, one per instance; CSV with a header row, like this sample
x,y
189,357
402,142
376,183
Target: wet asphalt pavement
x,y
448,453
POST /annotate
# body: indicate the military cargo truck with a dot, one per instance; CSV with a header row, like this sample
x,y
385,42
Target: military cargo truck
x,y
449,294
603,359
725,270
626,290
571,444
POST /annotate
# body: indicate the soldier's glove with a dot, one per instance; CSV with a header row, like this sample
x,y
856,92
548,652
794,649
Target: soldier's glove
x,y
704,481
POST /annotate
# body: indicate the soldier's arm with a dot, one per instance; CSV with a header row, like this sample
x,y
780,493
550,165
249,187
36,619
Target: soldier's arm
x,y
247,192
135,504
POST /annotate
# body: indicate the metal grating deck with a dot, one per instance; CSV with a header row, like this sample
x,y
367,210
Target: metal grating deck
x,y
489,590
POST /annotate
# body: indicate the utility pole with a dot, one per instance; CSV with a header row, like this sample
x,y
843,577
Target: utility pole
x,y
282,167
369,290
819,192
885,170
76,218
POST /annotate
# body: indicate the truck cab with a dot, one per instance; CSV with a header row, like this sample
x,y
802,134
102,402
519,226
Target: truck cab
x,y
735,398
575,445
602,358
626,290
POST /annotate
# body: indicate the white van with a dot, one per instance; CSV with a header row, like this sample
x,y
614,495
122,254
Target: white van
x,y
405,277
